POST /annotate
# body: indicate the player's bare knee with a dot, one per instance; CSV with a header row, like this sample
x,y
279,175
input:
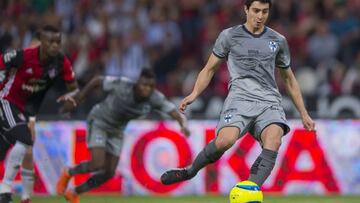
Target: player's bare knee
x,y
224,143
272,142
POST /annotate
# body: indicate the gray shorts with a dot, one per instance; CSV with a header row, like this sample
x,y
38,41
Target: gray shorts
x,y
252,117
98,137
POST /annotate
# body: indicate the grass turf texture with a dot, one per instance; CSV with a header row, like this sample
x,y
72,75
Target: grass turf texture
x,y
198,199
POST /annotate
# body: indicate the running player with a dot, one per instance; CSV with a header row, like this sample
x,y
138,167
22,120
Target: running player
x,y
126,100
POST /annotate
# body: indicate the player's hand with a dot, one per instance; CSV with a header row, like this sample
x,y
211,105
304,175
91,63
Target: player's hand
x,y
308,123
67,98
67,107
185,131
185,102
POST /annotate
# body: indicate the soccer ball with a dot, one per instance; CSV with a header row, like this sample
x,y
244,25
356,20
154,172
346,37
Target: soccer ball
x,y
246,192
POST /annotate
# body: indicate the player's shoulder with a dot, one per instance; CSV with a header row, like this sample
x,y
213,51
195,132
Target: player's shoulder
x,y
119,79
30,52
274,34
62,57
230,31
157,95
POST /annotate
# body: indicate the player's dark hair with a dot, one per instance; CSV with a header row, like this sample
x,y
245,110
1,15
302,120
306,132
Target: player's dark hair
x,y
147,73
50,28
249,2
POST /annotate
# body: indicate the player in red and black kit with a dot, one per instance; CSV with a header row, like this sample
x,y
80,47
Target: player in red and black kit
x,y
25,77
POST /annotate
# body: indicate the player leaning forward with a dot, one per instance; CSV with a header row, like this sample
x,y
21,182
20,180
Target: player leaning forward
x,y
25,77
125,100
252,52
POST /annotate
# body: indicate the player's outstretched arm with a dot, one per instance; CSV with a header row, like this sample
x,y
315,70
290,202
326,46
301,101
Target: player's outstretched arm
x,y
93,84
293,89
80,95
202,81
181,119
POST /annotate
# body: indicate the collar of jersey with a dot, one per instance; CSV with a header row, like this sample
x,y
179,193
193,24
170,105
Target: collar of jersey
x,y
252,34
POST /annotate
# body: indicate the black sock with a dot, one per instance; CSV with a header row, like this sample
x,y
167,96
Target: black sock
x,y
262,167
94,181
83,167
208,155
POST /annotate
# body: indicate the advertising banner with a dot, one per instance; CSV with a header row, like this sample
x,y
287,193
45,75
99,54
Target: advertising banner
x,y
323,162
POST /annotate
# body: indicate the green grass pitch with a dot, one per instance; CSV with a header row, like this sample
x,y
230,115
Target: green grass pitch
x,y
199,199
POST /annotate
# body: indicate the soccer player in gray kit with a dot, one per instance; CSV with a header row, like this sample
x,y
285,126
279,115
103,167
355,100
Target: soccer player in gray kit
x,y
252,51
126,100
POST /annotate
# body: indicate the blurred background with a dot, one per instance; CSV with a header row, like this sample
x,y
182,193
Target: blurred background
x,y
175,38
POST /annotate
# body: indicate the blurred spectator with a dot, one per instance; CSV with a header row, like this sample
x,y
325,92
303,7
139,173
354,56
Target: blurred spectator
x,y
175,37
352,78
322,45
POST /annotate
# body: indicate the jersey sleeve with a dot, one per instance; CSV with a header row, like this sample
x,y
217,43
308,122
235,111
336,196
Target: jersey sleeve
x,y
68,73
160,102
283,56
222,46
11,59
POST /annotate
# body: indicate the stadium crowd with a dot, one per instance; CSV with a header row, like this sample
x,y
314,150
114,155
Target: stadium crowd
x,y
175,37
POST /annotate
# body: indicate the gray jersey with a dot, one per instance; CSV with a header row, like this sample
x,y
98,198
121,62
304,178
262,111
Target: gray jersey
x,y
119,106
251,60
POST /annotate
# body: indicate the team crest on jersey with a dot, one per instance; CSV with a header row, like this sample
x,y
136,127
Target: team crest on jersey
x,y
52,73
273,46
228,118
146,108
29,71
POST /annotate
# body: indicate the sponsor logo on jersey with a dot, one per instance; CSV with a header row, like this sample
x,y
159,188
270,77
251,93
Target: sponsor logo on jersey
x,y
34,85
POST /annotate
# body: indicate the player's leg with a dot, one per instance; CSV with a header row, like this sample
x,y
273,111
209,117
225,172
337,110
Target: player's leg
x,y
113,149
212,152
96,142
4,147
263,165
22,135
96,163
270,127
27,176
27,170
100,177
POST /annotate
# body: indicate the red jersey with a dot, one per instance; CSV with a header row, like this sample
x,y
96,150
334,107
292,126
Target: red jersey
x,y
27,79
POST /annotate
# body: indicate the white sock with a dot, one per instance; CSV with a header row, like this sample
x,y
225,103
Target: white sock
x,y
27,181
13,164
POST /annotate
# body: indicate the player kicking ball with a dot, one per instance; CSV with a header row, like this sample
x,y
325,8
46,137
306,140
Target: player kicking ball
x,y
125,100
253,104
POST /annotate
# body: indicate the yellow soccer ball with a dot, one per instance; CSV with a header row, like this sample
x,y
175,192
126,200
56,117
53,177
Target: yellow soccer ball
x,y
246,192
